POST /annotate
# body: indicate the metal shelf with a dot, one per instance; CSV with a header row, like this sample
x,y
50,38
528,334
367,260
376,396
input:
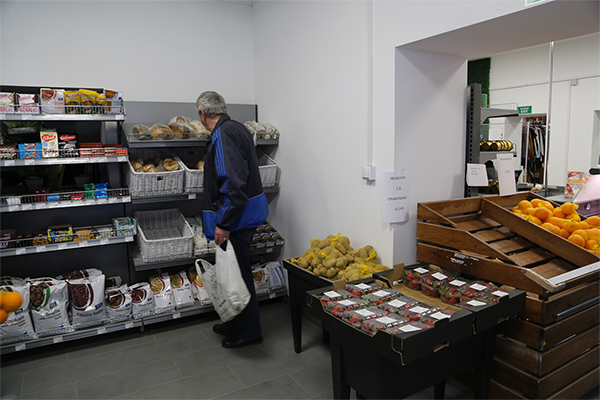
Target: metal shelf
x,y
141,144
29,202
60,161
62,117
498,112
64,246
183,197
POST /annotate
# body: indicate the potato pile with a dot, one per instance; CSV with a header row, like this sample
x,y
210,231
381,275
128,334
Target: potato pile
x,y
334,258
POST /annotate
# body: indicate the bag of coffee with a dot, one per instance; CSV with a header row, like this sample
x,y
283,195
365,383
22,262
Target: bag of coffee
x,y
182,289
18,325
142,300
87,300
80,274
49,299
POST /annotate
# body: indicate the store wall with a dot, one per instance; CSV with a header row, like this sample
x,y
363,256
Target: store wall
x,y
522,76
148,50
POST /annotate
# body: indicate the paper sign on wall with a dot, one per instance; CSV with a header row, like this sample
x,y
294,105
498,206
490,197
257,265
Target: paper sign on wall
x,y
394,196
506,174
477,175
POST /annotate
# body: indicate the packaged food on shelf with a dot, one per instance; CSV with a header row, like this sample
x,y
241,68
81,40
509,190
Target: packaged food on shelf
x,y
396,305
160,283
412,276
335,295
380,296
80,235
7,103
8,152
86,298
60,233
360,289
417,311
430,283
18,325
450,291
142,299
6,235
67,145
276,277
80,274
29,151
337,308
113,281
124,226
52,101
198,288
72,101
27,103
119,304
49,301
386,322
356,317
104,232
182,289
261,279
114,102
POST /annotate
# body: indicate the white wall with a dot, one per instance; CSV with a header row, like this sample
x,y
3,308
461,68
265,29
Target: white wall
x,y
149,50
522,76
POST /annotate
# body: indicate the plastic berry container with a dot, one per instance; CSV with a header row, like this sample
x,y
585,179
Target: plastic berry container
x,y
386,322
431,319
450,292
496,295
357,317
431,282
409,327
359,289
417,311
476,290
412,277
334,295
380,296
396,305
337,308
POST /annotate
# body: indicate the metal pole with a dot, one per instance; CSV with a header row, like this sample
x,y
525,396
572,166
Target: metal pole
x,y
548,124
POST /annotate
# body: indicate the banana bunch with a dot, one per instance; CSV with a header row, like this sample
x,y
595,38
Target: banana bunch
x,y
334,258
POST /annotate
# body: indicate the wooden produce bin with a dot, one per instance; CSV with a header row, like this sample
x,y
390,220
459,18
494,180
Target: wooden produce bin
x,y
551,350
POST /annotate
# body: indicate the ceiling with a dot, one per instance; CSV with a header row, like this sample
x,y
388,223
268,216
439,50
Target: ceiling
x,y
539,24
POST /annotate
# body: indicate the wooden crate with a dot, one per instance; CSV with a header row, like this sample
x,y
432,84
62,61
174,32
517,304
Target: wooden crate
x,y
481,237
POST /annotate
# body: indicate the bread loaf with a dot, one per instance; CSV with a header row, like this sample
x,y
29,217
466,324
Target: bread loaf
x,y
180,119
181,130
161,132
200,164
141,131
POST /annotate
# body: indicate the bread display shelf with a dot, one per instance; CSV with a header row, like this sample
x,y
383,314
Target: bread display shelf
x,y
78,198
481,237
107,327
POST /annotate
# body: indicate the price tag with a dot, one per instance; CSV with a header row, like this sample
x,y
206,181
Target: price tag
x,y
20,347
387,320
419,309
439,276
272,295
478,287
191,196
122,158
457,282
269,250
40,206
129,238
25,117
40,249
26,207
62,246
176,315
397,303
103,241
421,270
102,159
394,196
380,293
102,201
476,303
112,200
9,163
365,313
409,328
57,339
439,315
13,208
363,286
20,251
128,325
346,303
499,293
101,331
29,161
331,294
83,244
127,199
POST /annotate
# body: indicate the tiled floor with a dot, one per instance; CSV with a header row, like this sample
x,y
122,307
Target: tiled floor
x,y
182,359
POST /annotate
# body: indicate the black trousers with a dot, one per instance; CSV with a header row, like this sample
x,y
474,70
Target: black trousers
x,y
246,325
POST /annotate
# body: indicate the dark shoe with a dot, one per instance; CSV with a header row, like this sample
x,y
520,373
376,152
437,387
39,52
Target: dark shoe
x,y
219,330
234,343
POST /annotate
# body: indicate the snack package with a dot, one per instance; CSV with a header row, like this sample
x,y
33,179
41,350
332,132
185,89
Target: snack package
x,y
52,101
7,103
67,145
60,233
161,288
8,152
27,104
49,139
114,102
198,289
261,280
28,151
72,99
576,180
357,317
142,300
88,101
18,324
11,281
49,302
182,289
118,303
87,300
100,104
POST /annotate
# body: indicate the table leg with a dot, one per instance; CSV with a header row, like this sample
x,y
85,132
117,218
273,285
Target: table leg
x,y
439,390
341,390
325,334
296,325
483,370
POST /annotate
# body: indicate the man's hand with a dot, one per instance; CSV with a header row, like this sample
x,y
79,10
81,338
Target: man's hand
x,y
221,236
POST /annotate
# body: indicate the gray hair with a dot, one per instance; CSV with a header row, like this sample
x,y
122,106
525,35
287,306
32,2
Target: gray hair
x,y
212,103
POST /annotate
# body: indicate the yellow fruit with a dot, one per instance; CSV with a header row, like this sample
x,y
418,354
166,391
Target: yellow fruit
x,y
556,221
584,225
564,233
3,316
581,233
570,226
534,219
542,213
569,208
11,301
594,233
593,221
591,244
558,213
536,202
552,228
578,240
574,217
525,204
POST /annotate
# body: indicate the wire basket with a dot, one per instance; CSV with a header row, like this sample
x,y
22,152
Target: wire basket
x,y
164,235
148,184
188,157
267,168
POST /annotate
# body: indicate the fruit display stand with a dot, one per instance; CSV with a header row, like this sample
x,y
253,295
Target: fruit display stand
x,y
385,365
551,350
299,282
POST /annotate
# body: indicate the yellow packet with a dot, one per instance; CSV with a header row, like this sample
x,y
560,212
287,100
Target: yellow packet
x,y
88,100
101,103
73,99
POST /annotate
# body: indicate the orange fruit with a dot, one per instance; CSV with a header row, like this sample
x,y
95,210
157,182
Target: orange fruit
x,y
552,228
591,244
548,205
594,220
558,213
574,217
3,316
529,211
594,233
556,221
570,226
584,225
525,204
578,240
569,208
534,219
581,233
564,233
11,301
536,202
542,213
515,209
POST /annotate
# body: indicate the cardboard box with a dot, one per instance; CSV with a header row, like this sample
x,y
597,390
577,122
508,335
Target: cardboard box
x,y
30,151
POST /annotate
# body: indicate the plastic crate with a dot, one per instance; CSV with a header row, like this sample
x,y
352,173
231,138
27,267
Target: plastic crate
x,y
188,157
267,168
164,235
148,184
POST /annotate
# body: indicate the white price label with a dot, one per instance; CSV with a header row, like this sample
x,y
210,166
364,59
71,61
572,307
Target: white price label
x,y
478,287
192,196
103,241
128,325
112,200
440,315
40,206
40,249
421,270
397,303
457,283
476,303
439,276
20,347
409,328
346,303
331,294
101,331
13,208
9,163
83,244
363,286
26,207
20,251
102,201
176,315
272,295
386,320
380,293
365,313
419,309
62,246
499,293
29,161
57,339
127,199
129,238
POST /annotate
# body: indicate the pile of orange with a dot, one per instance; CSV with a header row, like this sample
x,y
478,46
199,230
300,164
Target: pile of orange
x,y
563,221
10,302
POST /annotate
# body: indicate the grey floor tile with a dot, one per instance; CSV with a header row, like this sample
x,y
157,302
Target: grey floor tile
x,y
325,396
282,387
10,385
203,386
166,348
107,343
214,357
72,371
33,359
65,392
315,379
182,326
128,380
124,396
274,364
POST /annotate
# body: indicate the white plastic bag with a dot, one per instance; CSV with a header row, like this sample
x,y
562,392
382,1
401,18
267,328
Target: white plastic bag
x,y
224,283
